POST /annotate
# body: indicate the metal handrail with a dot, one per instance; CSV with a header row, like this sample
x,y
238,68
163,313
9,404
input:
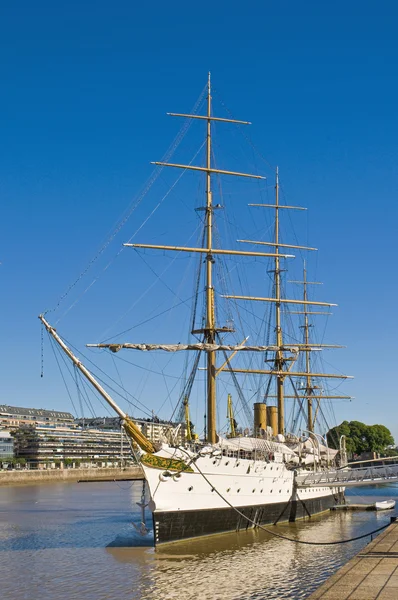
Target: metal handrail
x,y
349,477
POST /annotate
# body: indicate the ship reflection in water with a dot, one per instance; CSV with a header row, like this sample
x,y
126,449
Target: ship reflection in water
x,y
66,541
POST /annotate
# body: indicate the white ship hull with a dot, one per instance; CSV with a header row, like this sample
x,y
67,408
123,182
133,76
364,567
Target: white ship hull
x,y
209,499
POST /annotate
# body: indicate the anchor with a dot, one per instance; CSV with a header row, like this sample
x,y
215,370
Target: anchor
x,y
141,528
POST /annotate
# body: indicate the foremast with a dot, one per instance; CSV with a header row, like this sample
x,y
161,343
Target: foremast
x,y
210,329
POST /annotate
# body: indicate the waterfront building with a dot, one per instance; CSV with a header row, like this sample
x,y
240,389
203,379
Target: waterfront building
x,y
50,438
154,430
12,417
53,446
158,431
6,446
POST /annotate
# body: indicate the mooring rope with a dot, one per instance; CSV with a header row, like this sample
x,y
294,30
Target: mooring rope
x,y
279,535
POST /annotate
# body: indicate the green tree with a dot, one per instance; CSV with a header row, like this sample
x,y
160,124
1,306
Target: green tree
x,y
334,435
390,452
360,437
378,438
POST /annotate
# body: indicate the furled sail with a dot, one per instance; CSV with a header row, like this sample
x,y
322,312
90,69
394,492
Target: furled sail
x,y
199,346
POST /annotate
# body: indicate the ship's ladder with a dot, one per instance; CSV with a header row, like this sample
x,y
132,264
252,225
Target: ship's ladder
x,y
347,477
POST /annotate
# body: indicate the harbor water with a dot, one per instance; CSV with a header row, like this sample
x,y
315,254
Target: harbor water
x,y
66,541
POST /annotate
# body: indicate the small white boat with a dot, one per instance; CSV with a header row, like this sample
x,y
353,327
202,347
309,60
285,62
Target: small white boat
x,y
385,505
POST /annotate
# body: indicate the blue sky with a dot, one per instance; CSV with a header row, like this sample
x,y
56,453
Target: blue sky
x,y
85,88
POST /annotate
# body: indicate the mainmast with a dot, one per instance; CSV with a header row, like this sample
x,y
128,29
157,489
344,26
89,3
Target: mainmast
x,y
279,362
280,371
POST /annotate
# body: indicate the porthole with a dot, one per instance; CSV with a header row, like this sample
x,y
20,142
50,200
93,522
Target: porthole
x,y
253,490
212,489
214,462
238,490
227,463
271,492
228,489
261,491
272,468
280,491
190,488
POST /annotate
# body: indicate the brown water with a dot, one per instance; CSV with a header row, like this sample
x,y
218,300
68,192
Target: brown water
x,y
76,541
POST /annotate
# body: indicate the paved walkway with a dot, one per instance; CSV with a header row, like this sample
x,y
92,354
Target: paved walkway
x,y
372,574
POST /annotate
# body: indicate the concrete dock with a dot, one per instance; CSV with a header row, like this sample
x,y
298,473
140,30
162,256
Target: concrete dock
x,y
22,477
371,575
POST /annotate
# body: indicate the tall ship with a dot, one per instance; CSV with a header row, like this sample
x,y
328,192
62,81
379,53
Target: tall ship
x,y
227,480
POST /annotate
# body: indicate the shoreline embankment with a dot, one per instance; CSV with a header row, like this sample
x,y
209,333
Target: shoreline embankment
x,y
26,477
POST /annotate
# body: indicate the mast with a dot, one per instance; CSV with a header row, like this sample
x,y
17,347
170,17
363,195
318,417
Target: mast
x,y
210,316
187,418
309,389
279,354
279,369
210,329
231,416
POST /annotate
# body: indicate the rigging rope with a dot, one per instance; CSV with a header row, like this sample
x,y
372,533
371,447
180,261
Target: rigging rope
x,y
76,371
197,284
54,348
113,380
186,392
246,408
153,177
42,351
85,387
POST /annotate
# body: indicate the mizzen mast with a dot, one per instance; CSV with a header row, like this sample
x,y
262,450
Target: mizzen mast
x,y
310,390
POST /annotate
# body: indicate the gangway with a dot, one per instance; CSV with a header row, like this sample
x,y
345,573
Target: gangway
x,y
346,477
